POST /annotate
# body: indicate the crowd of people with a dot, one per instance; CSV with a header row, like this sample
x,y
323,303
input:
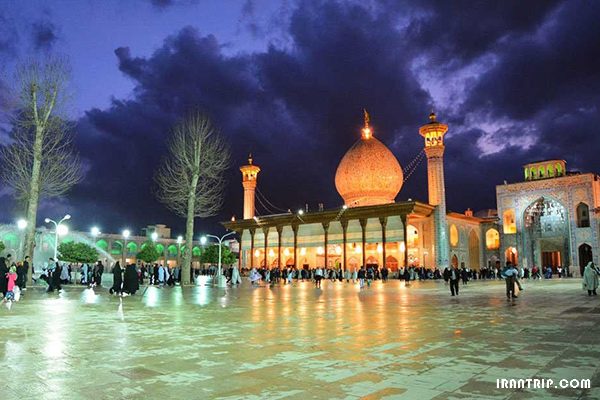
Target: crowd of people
x,y
127,281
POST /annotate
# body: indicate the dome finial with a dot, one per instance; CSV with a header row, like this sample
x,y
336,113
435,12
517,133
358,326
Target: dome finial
x,y
432,116
367,131
249,158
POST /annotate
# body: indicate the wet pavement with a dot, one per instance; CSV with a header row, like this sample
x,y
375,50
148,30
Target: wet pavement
x,y
298,342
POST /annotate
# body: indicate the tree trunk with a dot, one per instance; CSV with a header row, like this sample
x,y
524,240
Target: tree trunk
x,y
189,233
32,205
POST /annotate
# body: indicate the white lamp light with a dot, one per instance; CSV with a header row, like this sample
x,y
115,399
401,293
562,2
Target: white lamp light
x,y
22,224
62,230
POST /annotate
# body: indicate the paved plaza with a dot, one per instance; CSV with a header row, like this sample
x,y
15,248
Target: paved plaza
x,y
298,342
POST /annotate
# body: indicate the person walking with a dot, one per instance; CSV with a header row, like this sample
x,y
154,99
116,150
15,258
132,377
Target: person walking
x,y
55,283
98,271
590,279
453,279
361,277
131,282
117,279
3,278
236,279
22,273
510,274
318,277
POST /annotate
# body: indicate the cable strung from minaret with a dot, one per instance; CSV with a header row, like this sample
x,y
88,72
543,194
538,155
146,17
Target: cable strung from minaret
x,y
412,166
264,198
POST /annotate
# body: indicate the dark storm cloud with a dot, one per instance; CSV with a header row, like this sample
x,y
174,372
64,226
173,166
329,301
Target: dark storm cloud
x,y
298,108
165,4
43,34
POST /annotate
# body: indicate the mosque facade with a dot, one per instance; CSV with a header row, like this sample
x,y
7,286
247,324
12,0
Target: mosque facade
x,y
549,219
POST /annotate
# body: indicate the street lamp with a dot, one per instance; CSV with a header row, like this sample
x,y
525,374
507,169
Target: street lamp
x,y
95,231
21,224
126,234
203,240
154,236
59,229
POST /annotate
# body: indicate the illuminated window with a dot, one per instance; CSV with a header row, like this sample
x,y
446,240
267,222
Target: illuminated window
x,y
453,235
550,171
541,172
508,219
492,239
559,171
532,173
583,215
413,236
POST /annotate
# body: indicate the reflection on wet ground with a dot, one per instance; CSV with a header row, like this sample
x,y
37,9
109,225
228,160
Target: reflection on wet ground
x,y
298,342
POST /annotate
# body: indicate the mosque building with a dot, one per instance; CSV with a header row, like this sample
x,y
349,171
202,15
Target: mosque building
x,y
547,220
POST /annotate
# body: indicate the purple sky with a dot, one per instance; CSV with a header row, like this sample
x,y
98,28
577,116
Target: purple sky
x,y
287,80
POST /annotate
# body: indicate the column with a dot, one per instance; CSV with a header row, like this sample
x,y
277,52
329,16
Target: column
x,y
325,233
363,227
383,222
295,230
279,231
252,231
344,231
404,219
266,233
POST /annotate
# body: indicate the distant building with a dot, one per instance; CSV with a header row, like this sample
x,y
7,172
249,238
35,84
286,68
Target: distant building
x,y
111,246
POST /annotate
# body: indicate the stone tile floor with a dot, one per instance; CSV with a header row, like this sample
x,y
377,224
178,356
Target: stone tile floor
x,y
298,342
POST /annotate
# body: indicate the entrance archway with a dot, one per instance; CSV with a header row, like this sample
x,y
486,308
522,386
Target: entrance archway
x,y
585,256
512,255
454,260
391,263
545,233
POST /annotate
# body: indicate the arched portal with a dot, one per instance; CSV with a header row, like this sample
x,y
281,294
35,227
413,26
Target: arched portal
x,y
585,256
454,261
512,255
546,233
391,263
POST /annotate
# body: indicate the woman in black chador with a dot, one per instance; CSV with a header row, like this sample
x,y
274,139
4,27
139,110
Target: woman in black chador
x,y
131,283
117,279
3,279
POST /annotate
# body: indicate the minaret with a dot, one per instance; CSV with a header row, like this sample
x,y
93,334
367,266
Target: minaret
x,y
434,132
249,177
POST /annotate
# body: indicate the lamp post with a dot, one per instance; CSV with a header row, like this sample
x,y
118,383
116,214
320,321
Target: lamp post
x,y
21,224
221,282
126,234
59,229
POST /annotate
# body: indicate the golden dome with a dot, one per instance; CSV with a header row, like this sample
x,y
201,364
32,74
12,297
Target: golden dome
x,y
369,173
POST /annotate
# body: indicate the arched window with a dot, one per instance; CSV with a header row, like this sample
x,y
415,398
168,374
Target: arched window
x,y
492,239
508,221
132,247
583,215
559,171
541,172
453,235
102,244
550,171
532,173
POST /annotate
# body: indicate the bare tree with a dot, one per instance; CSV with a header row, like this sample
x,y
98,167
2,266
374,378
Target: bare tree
x,y
40,161
191,178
